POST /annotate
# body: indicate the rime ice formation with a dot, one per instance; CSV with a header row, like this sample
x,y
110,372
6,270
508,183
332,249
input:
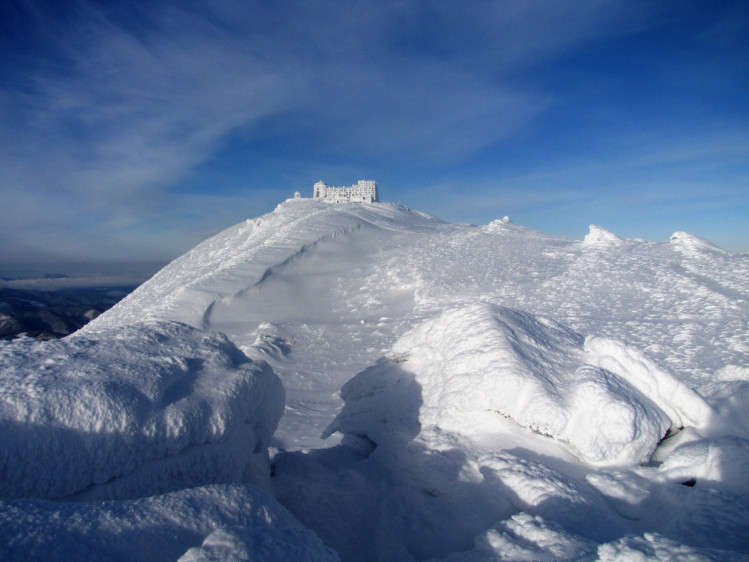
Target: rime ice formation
x,y
365,191
598,236
489,392
139,410
480,363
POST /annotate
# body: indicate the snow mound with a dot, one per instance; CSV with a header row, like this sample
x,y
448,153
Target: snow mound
x,y
686,241
134,411
722,463
527,537
233,522
474,365
598,236
496,225
655,547
506,226
683,406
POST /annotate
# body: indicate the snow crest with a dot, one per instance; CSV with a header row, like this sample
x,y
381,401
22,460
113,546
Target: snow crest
x,y
685,241
134,411
598,236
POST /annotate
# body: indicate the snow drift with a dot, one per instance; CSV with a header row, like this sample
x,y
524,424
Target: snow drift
x,y
218,522
481,361
508,430
134,411
598,236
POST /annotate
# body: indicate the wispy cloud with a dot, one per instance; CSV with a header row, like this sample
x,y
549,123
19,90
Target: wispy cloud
x,y
117,112
106,109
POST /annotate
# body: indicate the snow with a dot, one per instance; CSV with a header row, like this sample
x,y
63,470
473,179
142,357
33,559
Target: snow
x,y
140,410
479,362
682,405
689,243
598,236
220,521
723,462
452,392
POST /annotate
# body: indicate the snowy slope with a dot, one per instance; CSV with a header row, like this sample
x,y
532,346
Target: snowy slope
x,y
210,523
307,288
328,289
486,392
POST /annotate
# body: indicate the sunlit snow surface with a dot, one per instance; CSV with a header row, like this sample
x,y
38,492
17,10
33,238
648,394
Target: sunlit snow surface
x,y
488,392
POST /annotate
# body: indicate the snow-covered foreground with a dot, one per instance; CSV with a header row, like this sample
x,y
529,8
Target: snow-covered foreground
x,y
452,392
223,522
133,411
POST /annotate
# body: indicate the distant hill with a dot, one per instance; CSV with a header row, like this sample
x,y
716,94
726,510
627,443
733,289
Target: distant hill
x,y
53,314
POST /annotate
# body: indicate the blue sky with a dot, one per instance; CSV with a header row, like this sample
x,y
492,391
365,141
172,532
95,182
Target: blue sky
x,y
131,131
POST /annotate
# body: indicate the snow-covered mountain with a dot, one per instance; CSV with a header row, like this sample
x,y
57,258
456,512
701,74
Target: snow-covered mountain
x,y
451,392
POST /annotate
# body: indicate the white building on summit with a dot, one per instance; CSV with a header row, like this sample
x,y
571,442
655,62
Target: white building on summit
x,y
365,191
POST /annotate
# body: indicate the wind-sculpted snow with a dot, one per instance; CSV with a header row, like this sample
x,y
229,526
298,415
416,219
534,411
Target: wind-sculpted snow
x,y
598,236
218,522
479,362
682,405
133,411
366,274
504,393
311,266
476,418
230,263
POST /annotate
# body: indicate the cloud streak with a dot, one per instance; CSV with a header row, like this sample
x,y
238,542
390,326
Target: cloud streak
x,y
108,111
